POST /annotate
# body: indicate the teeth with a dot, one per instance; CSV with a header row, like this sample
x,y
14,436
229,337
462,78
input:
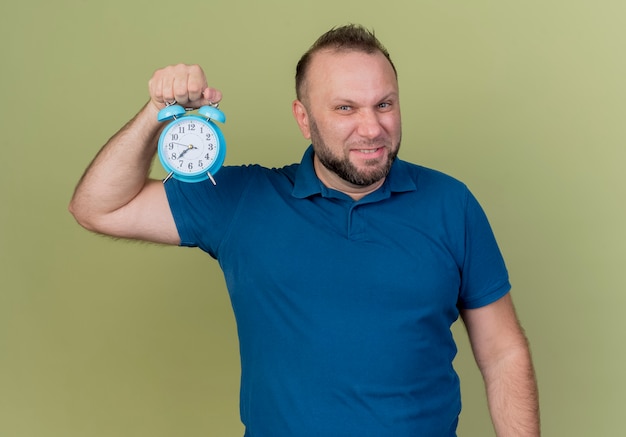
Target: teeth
x,y
368,151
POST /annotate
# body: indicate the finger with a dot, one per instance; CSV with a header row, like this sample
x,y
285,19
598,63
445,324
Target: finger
x,y
179,90
196,83
155,89
173,83
212,95
160,93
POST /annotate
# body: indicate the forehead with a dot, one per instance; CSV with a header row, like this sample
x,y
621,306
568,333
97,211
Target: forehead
x,y
348,72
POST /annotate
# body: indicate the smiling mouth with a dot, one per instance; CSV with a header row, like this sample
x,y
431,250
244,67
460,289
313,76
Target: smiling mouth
x,y
369,151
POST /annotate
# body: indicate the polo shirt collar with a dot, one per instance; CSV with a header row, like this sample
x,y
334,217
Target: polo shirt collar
x,y
308,184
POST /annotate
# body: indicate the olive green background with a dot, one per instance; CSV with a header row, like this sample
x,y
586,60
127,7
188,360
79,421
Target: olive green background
x,y
523,101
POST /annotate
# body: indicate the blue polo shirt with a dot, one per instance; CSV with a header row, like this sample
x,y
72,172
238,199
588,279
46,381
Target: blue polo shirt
x,y
344,307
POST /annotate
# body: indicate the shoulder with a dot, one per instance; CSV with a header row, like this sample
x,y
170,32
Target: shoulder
x,y
430,173
233,181
428,180
257,174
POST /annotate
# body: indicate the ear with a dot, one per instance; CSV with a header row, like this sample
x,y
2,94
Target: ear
x,y
302,118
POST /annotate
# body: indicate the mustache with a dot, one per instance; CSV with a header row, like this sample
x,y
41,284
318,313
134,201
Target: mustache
x,y
377,142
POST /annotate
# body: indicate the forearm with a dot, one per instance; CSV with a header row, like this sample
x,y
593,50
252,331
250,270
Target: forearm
x,y
119,171
503,356
512,394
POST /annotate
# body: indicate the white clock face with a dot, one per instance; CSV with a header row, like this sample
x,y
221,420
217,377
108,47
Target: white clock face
x,y
190,146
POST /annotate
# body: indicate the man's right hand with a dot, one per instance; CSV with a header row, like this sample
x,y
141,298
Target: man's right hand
x,y
183,84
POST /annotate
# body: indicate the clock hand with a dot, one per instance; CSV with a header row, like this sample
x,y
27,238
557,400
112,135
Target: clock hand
x,y
181,144
189,147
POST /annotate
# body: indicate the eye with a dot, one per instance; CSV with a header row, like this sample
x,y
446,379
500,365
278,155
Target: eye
x,y
344,108
384,105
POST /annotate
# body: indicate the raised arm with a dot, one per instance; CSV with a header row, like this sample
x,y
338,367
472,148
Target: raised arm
x,y
503,356
115,196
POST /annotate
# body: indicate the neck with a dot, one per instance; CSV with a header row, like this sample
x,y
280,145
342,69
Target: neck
x,y
333,181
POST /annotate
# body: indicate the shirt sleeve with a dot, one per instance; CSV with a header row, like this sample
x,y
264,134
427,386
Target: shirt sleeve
x,y
202,211
484,276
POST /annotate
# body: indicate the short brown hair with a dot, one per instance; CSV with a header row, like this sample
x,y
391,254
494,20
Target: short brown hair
x,y
351,37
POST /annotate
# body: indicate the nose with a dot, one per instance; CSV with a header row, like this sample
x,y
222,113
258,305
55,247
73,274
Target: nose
x,y
370,125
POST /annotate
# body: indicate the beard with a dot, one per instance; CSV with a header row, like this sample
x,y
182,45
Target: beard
x,y
373,172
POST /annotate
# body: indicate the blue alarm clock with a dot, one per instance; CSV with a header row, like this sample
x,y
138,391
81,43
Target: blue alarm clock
x,y
191,147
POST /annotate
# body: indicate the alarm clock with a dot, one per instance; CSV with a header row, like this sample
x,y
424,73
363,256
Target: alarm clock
x,y
191,147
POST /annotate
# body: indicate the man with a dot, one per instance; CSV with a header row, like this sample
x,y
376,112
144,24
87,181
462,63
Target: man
x,y
345,271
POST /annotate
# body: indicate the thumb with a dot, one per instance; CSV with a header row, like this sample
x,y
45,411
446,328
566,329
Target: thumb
x,y
212,95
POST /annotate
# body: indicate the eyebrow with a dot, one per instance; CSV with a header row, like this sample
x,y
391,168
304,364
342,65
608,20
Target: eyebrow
x,y
348,101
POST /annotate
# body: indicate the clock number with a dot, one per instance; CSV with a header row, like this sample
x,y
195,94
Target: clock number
x,y
173,156
208,137
200,163
190,166
181,130
174,137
